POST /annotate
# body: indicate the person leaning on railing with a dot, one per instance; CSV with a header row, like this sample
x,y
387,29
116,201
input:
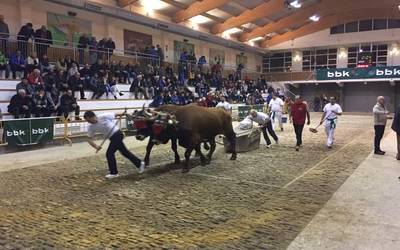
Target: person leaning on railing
x,y
43,39
4,35
25,33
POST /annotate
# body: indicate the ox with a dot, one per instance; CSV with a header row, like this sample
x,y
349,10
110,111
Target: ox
x,y
193,125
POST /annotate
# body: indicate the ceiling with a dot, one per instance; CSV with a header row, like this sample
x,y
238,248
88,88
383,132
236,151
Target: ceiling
x,y
264,23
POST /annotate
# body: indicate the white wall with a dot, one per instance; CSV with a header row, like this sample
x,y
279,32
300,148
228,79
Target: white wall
x,y
19,12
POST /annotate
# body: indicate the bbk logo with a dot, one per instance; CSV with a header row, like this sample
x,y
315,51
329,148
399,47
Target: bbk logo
x,y
337,74
388,72
15,133
40,131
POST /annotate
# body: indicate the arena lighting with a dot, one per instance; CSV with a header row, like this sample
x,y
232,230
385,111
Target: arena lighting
x,y
314,18
256,39
199,19
232,31
151,5
295,4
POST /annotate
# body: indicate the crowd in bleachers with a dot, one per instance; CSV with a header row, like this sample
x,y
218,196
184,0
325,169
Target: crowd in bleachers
x,y
48,87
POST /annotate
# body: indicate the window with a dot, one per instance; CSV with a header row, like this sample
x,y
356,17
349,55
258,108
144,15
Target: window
x,y
380,24
319,59
393,23
365,25
278,62
338,29
351,27
378,54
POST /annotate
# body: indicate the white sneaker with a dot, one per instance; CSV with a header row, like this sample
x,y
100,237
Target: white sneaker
x,y
111,176
268,146
141,168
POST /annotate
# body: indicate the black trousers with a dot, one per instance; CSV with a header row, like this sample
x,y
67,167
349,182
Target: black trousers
x,y
379,131
298,129
271,131
116,143
65,109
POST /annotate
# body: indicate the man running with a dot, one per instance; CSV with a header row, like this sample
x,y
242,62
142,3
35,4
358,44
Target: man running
x,y
265,122
105,125
276,109
299,112
331,112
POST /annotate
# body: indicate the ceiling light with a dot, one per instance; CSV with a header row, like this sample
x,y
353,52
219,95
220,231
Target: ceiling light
x,y
314,18
199,19
232,31
295,4
256,39
151,5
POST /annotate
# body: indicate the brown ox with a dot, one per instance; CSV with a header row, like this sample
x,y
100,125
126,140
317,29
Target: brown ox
x,y
192,126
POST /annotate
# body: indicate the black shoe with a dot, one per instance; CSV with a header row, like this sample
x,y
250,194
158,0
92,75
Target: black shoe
x,y
297,148
83,98
282,129
379,153
121,94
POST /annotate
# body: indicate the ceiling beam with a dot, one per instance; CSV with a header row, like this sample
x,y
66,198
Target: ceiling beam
x,y
325,7
332,20
197,8
262,10
124,3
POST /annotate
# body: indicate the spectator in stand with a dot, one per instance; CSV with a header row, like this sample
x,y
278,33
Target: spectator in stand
x,y
93,50
83,43
51,87
110,47
35,79
224,104
97,86
68,104
139,86
86,74
17,64
299,113
68,62
4,67
202,61
102,48
42,106
45,64
75,83
72,70
20,105
276,109
26,32
160,53
158,100
43,39
154,56
4,35
112,87
29,89
32,63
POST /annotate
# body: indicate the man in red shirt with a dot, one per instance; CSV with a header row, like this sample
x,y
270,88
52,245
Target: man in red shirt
x,y
298,114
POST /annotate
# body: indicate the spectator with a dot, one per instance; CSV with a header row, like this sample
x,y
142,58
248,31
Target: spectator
x,y
396,128
202,61
160,53
26,32
4,35
20,105
17,65
35,79
73,70
43,39
75,83
380,120
29,89
224,104
93,50
68,104
97,85
83,43
112,87
32,62
42,106
4,66
139,86
110,47
45,64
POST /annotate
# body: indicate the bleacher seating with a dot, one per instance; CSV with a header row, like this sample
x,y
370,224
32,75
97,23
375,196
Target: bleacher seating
x,y
7,90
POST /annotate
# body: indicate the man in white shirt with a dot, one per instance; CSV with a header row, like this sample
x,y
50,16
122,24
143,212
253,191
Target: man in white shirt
x,y
105,125
331,111
224,104
265,122
276,109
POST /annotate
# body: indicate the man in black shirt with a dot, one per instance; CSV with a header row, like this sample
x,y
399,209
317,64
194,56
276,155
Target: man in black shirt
x,y
76,84
82,45
26,32
43,39
42,106
20,105
68,104
4,35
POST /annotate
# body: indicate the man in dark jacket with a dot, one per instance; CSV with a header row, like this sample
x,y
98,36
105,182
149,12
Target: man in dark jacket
x,y
43,39
68,104
82,45
75,83
25,33
110,47
20,105
24,84
42,106
4,35
396,128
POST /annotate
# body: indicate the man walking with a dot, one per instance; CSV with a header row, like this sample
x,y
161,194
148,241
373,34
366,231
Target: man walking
x,y
276,109
380,119
265,122
331,111
105,125
298,114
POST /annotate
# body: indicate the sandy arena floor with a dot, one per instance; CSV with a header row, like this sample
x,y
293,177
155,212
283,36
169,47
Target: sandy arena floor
x,y
261,201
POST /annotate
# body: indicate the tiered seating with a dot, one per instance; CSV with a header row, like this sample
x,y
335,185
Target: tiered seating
x,y
7,90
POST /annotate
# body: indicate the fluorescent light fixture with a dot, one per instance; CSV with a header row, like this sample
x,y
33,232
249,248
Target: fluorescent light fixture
x,y
199,19
256,39
314,18
232,31
296,4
